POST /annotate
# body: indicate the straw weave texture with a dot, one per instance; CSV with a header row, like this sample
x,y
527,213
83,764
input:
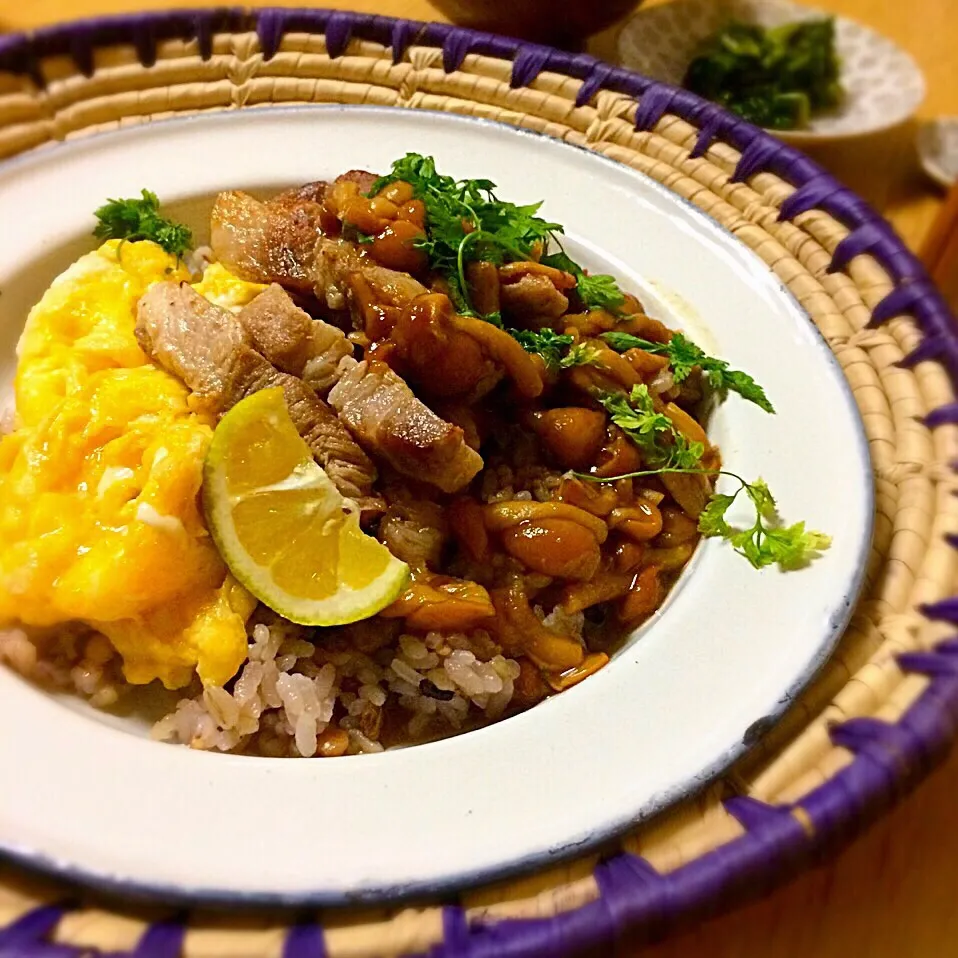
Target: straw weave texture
x,y
911,563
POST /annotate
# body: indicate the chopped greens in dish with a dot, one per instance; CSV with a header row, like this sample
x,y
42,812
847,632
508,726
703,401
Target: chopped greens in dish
x,y
139,219
685,357
390,466
777,78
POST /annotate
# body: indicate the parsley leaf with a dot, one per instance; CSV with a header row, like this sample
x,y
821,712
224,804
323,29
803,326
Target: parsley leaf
x,y
466,221
596,292
712,518
767,541
139,219
551,346
582,354
662,445
684,356
546,342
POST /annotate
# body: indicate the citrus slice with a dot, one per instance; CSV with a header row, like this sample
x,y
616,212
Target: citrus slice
x,y
283,528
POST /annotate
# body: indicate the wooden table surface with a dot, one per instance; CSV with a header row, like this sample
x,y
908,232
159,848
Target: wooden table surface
x,y
893,893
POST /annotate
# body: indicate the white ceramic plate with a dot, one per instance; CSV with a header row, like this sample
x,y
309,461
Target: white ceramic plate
x,y
731,648
883,85
938,149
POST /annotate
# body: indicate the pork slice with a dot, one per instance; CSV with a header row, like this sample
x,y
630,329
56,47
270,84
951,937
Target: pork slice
x,y
293,341
207,348
334,260
533,296
388,419
266,242
281,241
392,287
191,338
362,178
414,530
300,196
337,260
410,436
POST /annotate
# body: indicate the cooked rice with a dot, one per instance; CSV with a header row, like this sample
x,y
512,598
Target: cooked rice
x,y
199,259
296,686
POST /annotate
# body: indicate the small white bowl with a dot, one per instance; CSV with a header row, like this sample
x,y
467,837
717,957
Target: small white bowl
x,y
938,149
883,84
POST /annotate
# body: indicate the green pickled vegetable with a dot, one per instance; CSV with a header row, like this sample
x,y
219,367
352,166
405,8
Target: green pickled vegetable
x,y
776,78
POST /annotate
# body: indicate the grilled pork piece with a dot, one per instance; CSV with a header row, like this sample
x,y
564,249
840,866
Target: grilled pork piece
x,y
411,437
281,242
270,242
383,413
531,297
293,341
206,347
302,196
414,530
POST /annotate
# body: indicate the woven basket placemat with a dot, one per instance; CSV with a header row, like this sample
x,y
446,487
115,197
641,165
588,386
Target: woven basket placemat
x,y
884,709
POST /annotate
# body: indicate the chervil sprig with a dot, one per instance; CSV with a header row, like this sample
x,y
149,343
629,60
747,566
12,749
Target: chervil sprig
x,y
767,541
547,343
596,292
139,219
581,354
684,356
557,350
466,221
663,446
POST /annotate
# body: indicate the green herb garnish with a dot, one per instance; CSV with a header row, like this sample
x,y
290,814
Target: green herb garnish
x,y
663,446
767,541
140,219
775,78
466,221
596,292
684,356
555,349
549,344
582,354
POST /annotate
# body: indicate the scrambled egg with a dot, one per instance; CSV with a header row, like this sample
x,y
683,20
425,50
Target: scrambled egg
x,y
99,482
220,286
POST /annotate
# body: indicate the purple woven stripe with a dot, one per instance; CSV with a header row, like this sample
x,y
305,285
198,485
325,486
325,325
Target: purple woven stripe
x,y
635,900
22,53
164,939
33,927
530,61
42,949
944,611
814,193
654,104
593,82
637,903
27,936
304,940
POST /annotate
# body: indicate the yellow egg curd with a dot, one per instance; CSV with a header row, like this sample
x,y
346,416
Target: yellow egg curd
x,y
99,511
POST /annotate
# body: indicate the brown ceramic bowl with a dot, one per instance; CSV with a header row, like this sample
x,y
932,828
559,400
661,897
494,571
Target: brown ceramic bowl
x,y
566,23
